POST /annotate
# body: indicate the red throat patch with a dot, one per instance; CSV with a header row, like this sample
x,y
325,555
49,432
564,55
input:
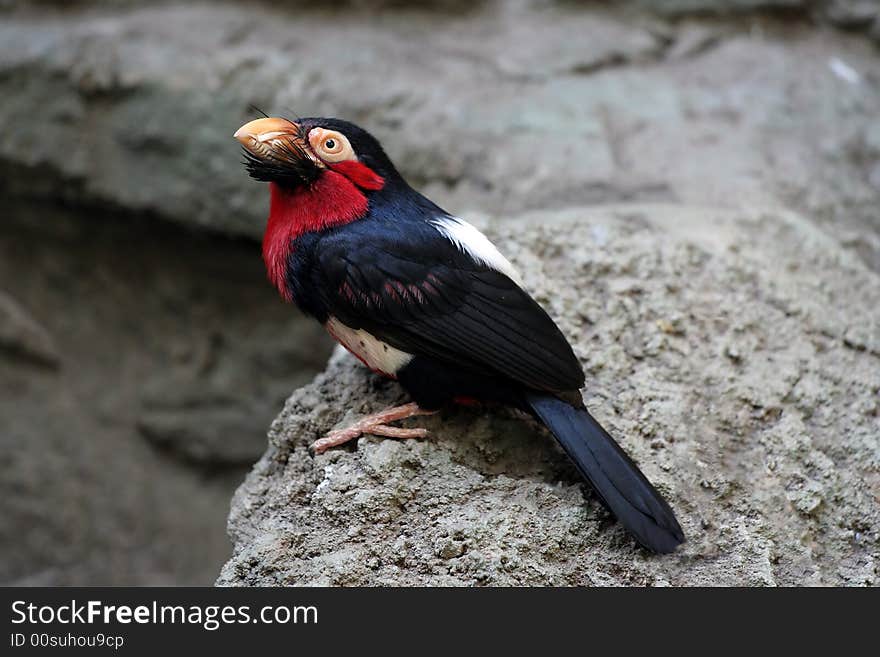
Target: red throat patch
x,y
332,200
360,174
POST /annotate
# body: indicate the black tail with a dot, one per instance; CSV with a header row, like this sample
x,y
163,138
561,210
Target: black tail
x,y
618,481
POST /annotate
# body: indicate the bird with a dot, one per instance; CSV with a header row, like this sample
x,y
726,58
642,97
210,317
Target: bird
x,y
423,297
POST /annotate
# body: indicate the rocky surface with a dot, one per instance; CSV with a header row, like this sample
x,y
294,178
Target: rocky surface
x,y
139,368
659,101
141,352
735,354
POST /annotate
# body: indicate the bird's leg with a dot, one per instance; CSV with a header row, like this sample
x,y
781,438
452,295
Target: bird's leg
x,y
374,424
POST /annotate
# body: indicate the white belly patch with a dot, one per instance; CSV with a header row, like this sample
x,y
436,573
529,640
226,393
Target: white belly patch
x,y
379,356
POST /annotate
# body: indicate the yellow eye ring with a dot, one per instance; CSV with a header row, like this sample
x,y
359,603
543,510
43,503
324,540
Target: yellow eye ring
x,y
330,145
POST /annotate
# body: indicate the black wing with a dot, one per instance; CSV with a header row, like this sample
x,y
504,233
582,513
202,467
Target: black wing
x,y
423,295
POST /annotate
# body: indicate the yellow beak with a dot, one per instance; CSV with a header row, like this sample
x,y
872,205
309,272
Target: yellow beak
x,y
256,135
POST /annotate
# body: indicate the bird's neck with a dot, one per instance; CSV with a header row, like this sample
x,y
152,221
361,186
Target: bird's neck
x,y
331,201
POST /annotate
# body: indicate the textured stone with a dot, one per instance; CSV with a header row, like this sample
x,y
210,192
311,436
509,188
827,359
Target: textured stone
x,y
120,112
509,106
679,7
770,457
177,335
22,336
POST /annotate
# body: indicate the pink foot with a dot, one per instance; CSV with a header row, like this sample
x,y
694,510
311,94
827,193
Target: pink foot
x,y
374,424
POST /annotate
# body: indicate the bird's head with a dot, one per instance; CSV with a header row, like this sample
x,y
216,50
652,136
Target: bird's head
x,y
298,154
322,173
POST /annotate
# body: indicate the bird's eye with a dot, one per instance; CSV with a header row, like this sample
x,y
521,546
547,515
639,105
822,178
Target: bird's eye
x,y
330,146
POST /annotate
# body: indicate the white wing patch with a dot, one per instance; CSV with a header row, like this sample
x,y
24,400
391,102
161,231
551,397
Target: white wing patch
x,y
475,244
379,356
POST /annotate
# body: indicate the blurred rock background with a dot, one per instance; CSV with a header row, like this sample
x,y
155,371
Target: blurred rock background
x,y
142,355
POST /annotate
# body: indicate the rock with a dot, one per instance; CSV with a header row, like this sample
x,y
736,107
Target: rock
x,y
120,113
768,452
639,110
681,7
23,336
114,119
852,14
204,437
154,331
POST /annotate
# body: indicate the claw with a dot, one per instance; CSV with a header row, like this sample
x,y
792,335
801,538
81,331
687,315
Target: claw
x,y
376,425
